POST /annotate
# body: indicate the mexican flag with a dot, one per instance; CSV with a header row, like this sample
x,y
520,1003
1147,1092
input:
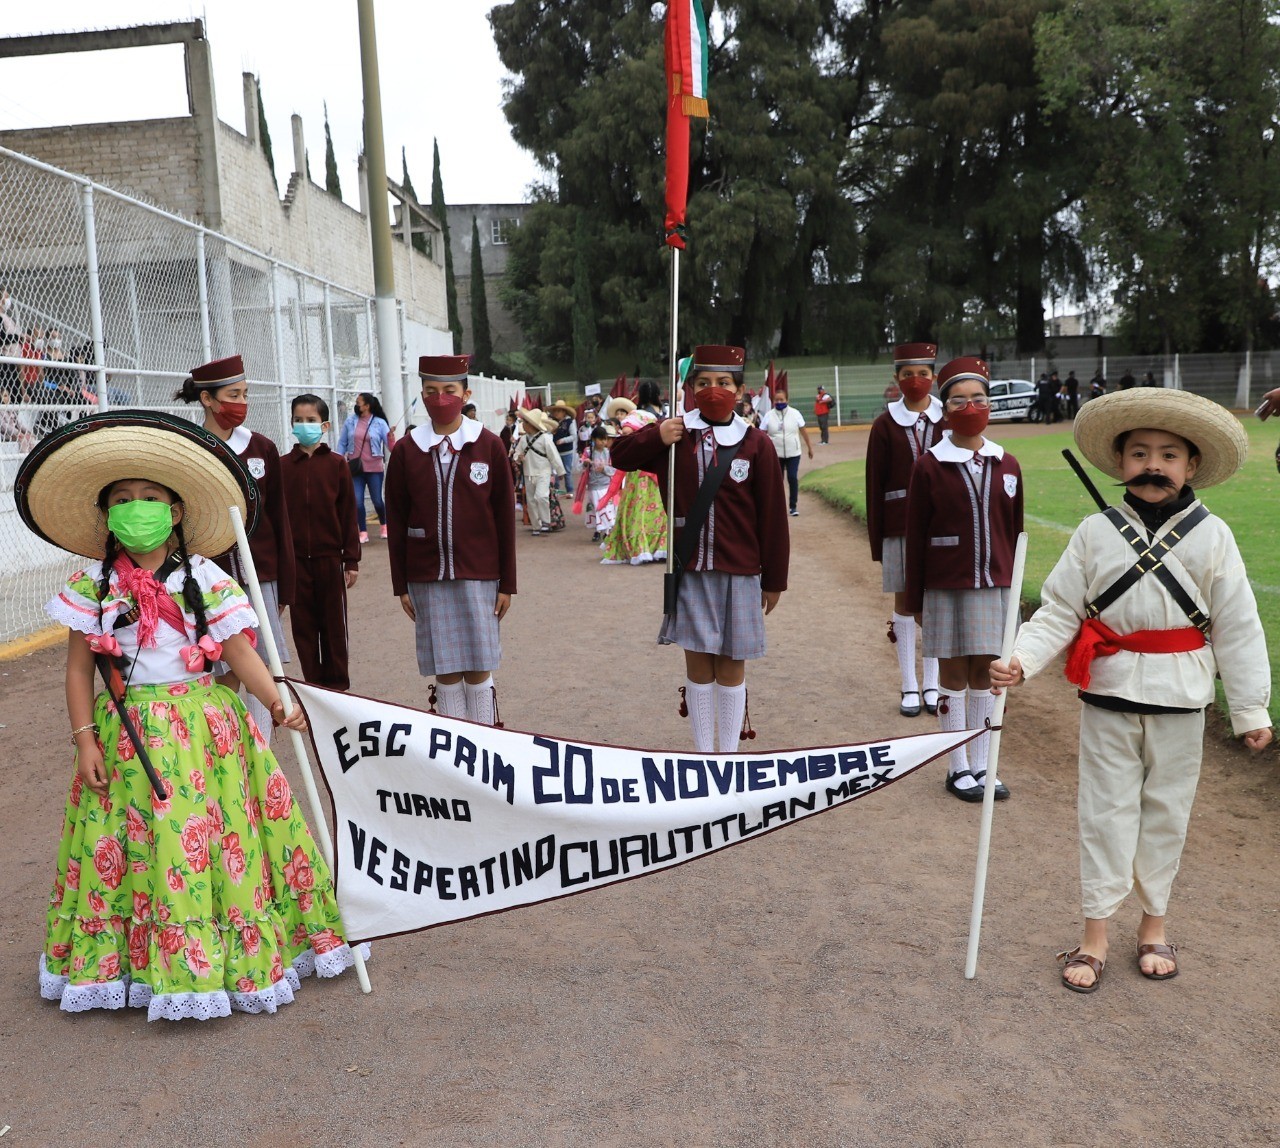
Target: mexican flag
x,y
686,55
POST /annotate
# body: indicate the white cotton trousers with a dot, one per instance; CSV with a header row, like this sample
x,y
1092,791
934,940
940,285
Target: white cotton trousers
x,y
537,489
1138,776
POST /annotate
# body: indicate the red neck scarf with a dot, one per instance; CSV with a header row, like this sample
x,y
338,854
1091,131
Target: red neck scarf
x,y
153,601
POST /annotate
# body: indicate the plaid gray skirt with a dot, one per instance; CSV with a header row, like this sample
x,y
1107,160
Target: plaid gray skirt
x,y
893,565
958,623
455,626
270,599
717,613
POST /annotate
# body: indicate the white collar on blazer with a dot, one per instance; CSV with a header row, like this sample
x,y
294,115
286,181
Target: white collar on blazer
x,y
944,450
726,435
427,438
238,439
907,418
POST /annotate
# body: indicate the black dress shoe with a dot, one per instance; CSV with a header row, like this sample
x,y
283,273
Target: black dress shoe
x,y
1002,790
930,706
909,710
973,793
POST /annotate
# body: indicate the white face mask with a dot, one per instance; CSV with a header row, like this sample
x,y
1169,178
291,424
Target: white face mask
x,y
39,344
5,305
55,343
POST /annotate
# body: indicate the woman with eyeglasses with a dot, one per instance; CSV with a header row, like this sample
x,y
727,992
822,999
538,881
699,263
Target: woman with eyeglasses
x,y
964,515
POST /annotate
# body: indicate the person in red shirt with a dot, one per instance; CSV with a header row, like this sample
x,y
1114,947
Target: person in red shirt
x,y
737,564
221,388
451,539
964,515
326,544
908,427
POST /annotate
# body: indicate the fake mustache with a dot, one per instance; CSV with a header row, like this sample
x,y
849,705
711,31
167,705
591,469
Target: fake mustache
x,y
1163,481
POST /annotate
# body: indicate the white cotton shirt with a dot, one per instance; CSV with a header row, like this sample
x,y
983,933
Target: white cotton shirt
x,y
783,428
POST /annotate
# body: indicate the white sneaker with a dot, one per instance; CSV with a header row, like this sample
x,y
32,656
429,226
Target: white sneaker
x,y
364,536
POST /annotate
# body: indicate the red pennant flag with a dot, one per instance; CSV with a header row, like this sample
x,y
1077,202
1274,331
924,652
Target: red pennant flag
x,y
769,380
686,59
619,389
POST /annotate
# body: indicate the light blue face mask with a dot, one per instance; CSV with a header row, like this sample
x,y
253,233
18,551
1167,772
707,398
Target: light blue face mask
x,y
308,433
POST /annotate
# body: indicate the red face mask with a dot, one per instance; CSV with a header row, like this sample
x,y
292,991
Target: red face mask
x,y
915,388
231,415
969,420
443,409
715,403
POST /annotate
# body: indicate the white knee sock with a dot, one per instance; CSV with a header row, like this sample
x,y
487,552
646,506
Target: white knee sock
x,y
904,629
260,714
981,706
701,703
951,719
931,674
480,700
731,701
451,699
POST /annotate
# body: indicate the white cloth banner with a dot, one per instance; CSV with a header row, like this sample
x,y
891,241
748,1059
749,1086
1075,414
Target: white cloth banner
x,y
439,820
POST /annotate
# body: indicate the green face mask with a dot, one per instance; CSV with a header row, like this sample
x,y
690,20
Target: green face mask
x,y
140,526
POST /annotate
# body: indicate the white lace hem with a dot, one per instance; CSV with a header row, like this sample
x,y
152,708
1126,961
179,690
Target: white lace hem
x,y
638,560
239,621
194,1006
73,619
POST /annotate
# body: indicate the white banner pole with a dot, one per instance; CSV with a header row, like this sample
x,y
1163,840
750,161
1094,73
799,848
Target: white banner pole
x,y
993,758
299,746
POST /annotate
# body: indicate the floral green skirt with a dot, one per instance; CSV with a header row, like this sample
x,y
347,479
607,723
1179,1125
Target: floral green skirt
x,y
214,899
639,531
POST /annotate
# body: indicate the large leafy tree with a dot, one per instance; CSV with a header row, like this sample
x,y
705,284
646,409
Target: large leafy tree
x,y
1176,102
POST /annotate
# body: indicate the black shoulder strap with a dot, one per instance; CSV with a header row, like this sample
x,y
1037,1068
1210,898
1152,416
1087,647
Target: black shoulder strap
x,y
1151,556
687,538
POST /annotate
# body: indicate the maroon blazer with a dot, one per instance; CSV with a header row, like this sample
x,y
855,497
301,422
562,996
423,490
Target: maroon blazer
x,y
452,515
322,505
892,451
746,531
961,530
271,542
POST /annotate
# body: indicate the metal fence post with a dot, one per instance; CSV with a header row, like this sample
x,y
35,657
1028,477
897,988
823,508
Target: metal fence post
x,y
202,289
369,342
839,417
131,279
95,293
277,328
1245,382
328,341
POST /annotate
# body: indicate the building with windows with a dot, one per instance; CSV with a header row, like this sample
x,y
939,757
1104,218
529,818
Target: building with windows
x,y
497,223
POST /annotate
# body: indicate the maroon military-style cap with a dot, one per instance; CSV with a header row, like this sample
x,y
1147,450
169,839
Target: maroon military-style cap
x,y
915,355
219,373
443,368
716,358
967,367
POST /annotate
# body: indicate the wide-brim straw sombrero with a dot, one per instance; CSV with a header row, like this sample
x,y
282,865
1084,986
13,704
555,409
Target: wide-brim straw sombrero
x,y
561,405
531,417
616,408
1216,432
58,483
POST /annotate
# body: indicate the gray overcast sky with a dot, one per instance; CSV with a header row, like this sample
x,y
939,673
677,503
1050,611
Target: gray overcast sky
x,y
440,75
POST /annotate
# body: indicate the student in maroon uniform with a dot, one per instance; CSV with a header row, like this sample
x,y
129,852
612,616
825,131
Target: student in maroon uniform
x,y
907,428
451,537
964,514
221,389
737,566
326,544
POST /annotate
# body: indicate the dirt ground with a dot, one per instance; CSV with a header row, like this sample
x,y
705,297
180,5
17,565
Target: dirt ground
x,y
803,989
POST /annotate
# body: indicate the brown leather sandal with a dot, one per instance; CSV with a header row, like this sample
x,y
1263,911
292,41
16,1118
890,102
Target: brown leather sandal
x,y
1075,959
1169,952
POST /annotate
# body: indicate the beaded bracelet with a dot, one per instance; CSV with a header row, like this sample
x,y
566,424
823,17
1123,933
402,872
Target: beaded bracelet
x,y
83,729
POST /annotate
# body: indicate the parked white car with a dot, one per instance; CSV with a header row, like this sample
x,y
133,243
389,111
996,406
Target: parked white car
x,y
1012,400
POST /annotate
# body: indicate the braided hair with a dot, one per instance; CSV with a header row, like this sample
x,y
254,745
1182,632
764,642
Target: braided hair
x,y
192,596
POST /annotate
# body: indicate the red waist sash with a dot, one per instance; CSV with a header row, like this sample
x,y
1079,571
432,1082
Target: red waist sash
x,y
1098,640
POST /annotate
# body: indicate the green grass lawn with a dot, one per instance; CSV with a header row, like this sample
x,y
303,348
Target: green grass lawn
x,y
1056,501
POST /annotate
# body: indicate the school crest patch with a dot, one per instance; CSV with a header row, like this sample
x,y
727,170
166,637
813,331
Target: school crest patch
x,y
257,467
1011,484
739,468
479,473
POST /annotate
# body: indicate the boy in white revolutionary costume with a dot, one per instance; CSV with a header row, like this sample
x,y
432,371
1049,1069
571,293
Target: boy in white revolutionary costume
x,y
1153,599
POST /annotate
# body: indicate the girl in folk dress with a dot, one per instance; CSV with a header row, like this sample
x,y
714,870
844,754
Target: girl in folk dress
x,y
639,533
214,897
597,473
452,541
907,428
964,515
738,567
221,389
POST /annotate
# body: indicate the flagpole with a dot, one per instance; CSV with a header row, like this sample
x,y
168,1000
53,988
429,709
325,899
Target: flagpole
x,y
299,746
675,413
993,757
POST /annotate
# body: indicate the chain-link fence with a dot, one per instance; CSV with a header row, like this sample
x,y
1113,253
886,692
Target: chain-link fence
x,y
106,301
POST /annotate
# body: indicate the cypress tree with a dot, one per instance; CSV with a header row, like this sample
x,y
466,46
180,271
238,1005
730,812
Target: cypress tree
x,y
264,135
481,339
331,184
441,212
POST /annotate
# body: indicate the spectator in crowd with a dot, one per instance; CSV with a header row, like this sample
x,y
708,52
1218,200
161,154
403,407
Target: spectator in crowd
x,y
32,377
508,429
1127,381
469,411
1097,385
649,398
1149,380
785,427
565,437
1047,398
15,426
365,439
822,404
1073,395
